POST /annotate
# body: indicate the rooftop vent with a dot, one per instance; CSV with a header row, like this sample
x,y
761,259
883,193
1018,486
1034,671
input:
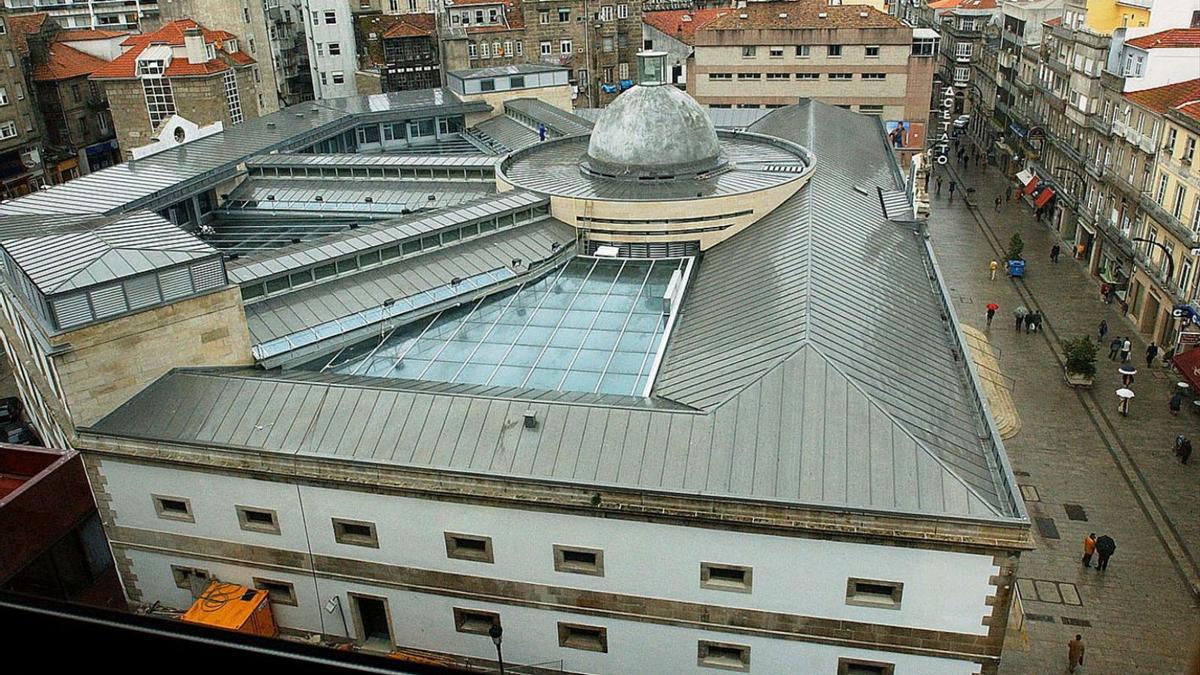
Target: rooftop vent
x,y
863,15
369,200
270,198
783,15
300,115
318,198
685,18
822,15
270,125
530,420
353,226
743,16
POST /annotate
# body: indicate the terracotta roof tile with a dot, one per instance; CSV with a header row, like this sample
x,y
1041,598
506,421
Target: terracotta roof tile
x,y
86,34
1056,21
512,15
125,65
803,15
66,62
1192,110
1160,99
411,25
682,24
1175,38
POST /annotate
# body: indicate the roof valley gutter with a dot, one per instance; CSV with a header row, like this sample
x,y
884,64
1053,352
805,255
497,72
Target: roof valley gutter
x,y
676,303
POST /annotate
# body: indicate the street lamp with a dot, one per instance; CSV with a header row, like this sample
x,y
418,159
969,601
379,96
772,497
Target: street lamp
x,y
496,633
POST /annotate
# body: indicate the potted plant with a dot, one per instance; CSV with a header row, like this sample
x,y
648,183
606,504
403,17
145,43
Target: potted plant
x,y
1081,361
1015,247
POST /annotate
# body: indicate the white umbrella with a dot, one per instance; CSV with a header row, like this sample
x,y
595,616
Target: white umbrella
x,y
1125,393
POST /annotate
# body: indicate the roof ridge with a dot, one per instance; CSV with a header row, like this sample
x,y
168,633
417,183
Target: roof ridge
x,y
851,381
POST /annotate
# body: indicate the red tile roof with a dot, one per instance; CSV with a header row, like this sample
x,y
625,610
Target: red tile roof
x,y
125,65
1176,38
86,34
1180,95
411,25
460,3
22,26
674,23
512,14
66,62
1056,21
802,16
1192,110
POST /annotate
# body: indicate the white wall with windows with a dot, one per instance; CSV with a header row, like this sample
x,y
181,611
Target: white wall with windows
x,y
331,47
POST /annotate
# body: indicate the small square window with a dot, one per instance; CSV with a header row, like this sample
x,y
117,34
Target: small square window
x,y
475,621
191,579
722,577
355,533
861,667
749,51
579,560
775,52
872,52
173,508
872,593
802,51
835,51
469,547
587,638
258,520
723,655
280,592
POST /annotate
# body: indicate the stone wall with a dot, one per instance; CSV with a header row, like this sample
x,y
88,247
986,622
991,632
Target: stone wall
x,y
98,372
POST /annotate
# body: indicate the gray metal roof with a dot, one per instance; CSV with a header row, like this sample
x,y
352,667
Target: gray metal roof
x,y
552,167
81,254
554,118
303,254
439,101
304,308
507,132
496,71
387,197
722,118
289,159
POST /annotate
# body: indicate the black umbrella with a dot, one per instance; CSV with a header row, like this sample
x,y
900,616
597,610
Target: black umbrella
x,y
1106,545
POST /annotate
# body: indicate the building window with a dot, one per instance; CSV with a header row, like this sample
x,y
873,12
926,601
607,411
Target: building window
x,y
469,547
564,14
623,70
720,76
76,93
335,48
841,76
475,621
723,655
20,89
834,51
874,76
1162,191
338,77
232,99
962,74
749,76
808,76
873,593
1189,149
546,48
520,48
564,46
8,57
870,109
606,13
803,51
578,636
173,508
608,45
191,579
722,577
749,51
472,50
1177,210
622,11
355,533
775,52
258,520
579,560
3,27
861,667
279,592
871,52
160,102
330,17
543,16
3,96
507,49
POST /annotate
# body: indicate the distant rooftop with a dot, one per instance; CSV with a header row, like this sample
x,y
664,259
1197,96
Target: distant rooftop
x,y
1175,38
497,71
801,16
682,24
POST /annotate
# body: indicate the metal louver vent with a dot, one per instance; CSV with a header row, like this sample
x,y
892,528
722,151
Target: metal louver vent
x,y
175,283
142,291
72,310
108,301
208,274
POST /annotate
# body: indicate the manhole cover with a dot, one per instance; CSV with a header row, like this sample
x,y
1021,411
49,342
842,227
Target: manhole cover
x,y
1047,527
1075,512
1075,622
1040,617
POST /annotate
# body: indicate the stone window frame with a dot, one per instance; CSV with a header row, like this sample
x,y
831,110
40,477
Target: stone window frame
x,y
160,508
583,637
884,668
353,539
244,521
181,574
859,598
728,585
867,51
468,620
775,52
455,550
706,659
561,564
833,51
283,586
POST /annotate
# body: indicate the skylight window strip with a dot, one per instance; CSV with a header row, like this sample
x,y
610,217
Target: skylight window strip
x,y
525,325
412,344
624,326
537,360
592,324
489,332
446,341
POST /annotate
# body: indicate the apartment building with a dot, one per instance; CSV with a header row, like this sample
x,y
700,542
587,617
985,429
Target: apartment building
x,y
182,70
21,165
855,57
674,33
401,50
964,27
78,133
125,15
332,51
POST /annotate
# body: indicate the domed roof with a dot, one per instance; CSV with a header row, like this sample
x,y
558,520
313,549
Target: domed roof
x,y
653,131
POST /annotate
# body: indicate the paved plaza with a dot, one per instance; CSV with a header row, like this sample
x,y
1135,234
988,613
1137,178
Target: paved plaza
x,y
1081,466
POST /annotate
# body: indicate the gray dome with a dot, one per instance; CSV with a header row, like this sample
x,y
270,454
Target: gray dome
x,y
653,131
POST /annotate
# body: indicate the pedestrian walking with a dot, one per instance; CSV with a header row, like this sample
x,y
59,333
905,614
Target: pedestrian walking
x,y
939,186
1055,250
1105,547
1103,330
541,132
1110,295
991,312
1126,347
1185,451
1176,403
998,201
1029,319
1075,651
993,267
1036,322
1089,547
952,186
1151,352
1104,292
1114,348
1179,441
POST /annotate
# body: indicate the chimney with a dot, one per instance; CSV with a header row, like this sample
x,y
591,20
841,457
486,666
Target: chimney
x,y
193,43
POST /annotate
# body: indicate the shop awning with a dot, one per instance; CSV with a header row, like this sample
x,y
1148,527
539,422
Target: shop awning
x,y
1188,364
1018,130
1031,185
1045,196
1024,176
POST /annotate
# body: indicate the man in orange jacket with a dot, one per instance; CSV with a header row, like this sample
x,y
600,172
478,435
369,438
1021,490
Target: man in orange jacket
x,y
1089,547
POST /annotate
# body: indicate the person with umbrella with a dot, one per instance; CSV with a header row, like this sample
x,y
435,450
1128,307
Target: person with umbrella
x,y
1019,313
1127,372
1126,395
1105,547
991,312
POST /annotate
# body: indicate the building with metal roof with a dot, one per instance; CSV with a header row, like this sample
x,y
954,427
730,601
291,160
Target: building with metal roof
x,y
593,403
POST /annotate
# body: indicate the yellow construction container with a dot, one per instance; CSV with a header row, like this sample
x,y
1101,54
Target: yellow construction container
x,y
233,607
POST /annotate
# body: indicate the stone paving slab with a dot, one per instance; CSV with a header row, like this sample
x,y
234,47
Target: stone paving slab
x,y
1076,450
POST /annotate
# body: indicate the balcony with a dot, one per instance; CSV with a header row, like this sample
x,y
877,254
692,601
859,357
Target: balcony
x,y
1122,182
1100,124
950,28
1057,66
1096,169
1164,218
